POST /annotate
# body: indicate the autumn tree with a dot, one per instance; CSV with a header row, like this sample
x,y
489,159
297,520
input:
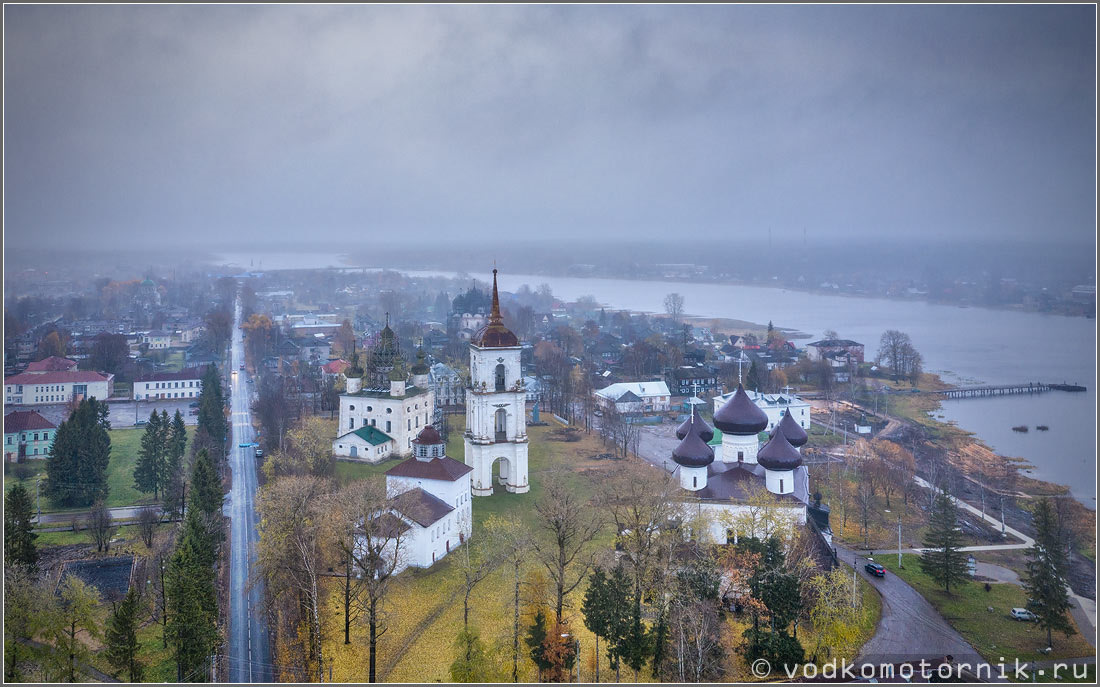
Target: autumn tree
x,y
512,538
78,605
292,514
835,614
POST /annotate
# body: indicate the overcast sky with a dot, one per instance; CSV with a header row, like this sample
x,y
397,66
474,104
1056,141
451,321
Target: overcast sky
x,y
128,124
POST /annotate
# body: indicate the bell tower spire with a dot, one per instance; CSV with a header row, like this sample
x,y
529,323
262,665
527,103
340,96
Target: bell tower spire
x,y
494,315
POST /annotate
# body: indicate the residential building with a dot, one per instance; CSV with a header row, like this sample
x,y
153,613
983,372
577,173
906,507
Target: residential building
x,y
27,435
187,383
636,397
689,379
819,349
41,388
157,340
51,364
447,385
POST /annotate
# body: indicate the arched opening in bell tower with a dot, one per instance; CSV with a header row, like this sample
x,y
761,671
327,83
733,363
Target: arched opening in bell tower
x,y
500,377
500,425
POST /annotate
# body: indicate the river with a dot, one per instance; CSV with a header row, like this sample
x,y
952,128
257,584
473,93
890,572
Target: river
x,y
963,345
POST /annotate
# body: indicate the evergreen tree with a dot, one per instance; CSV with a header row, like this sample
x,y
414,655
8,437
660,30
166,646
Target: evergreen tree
x,y
121,637
174,475
942,560
150,470
76,469
211,417
19,536
536,639
206,487
192,607
1047,565
756,378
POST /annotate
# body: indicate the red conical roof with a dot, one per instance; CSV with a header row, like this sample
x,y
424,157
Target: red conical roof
x,y
495,334
429,436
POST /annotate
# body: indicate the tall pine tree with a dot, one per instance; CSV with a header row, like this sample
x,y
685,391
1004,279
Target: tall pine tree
x,y
19,536
1047,565
149,473
942,560
121,637
76,469
175,476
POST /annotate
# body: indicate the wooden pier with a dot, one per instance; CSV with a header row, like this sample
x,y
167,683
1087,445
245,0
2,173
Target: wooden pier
x,y
997,390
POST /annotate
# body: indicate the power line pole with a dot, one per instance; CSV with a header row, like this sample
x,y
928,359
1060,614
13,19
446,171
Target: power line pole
x,y
899,540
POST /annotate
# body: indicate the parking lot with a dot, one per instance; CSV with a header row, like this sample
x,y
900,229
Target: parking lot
x,y
128,413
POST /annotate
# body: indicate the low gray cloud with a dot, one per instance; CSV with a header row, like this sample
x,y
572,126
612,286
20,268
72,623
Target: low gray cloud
x,y
167,124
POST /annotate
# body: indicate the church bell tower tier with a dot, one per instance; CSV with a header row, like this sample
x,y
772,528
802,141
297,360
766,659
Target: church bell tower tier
x,y
496,421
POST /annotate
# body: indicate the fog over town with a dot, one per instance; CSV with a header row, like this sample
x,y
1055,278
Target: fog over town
x,y
548,343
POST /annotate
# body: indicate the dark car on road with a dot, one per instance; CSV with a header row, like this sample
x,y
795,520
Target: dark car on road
x,y
875,569
193,404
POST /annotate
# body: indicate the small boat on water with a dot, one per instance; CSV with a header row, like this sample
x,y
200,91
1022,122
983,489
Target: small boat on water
x,y
1019,428
1042,428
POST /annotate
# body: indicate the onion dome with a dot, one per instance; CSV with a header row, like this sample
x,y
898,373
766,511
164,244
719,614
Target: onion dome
x,y
740,415
696,424
421,366
495,334
429,436
791,430
778,454
693,452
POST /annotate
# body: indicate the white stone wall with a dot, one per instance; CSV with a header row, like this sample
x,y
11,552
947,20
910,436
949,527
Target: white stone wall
x,y
181,388
406,416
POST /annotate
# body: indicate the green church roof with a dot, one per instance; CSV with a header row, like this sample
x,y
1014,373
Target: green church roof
x,y
372,435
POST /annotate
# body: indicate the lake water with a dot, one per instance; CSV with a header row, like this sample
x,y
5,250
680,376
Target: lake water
x,y
963,345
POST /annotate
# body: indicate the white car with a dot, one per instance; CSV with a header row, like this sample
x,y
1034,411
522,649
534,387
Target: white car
x,y
1023,614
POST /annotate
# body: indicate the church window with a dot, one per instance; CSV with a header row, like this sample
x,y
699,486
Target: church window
x,y
388,430
370,409
389,410
780,486
351,407
740,456
694,481
351,423
500,377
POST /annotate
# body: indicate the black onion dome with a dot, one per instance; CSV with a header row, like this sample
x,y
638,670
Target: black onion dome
x,y
740,415
791,430
778,454
698,424
693,452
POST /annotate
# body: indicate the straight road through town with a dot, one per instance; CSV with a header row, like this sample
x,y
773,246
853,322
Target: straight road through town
x,y
249,658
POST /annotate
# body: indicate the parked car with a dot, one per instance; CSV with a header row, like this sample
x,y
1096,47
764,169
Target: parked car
x,y
1023,614
875,569
259,453
242,367
193,404
141,422
194,411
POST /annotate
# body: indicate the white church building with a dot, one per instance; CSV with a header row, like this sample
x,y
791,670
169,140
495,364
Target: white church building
x,y
720,471
430,497
496,411
376,424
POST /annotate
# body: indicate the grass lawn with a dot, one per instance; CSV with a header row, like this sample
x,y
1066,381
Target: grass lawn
x,y
994,634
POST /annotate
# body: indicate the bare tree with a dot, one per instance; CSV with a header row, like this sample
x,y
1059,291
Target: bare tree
x,y
567,525
674,306
101,526
148,519
378,552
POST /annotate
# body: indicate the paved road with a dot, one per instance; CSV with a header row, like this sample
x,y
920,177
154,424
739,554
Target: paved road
x,y
249,658
910,628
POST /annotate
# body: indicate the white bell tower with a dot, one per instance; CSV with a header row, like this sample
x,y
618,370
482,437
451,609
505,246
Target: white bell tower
x,y
496,420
